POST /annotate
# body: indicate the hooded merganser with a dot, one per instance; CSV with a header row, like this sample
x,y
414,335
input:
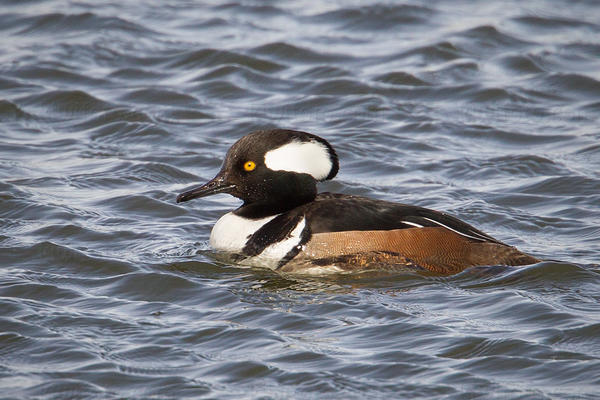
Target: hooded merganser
x,y
284,224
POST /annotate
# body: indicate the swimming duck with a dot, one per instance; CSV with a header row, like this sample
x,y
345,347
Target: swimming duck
x,y
286,225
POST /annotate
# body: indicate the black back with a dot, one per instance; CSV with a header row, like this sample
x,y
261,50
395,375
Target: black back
x,y
331,212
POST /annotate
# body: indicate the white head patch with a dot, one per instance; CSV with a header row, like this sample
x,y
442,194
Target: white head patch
x,y
303,157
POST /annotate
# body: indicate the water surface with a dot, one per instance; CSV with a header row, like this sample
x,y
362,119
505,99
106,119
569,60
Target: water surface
x,y
108,289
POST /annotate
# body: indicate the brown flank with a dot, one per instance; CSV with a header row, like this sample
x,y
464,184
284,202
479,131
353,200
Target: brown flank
x,y
434,248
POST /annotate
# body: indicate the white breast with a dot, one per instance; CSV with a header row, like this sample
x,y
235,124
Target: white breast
x,y
231,233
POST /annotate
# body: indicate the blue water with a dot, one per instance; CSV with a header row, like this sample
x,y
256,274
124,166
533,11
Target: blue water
x,y
109,290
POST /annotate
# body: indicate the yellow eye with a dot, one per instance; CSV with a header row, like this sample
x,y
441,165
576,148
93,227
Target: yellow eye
x,y
249,166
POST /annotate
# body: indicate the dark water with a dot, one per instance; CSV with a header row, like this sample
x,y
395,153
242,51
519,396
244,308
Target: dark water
x,y
487,110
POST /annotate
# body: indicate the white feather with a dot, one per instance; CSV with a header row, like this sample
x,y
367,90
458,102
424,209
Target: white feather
x,y
278,250
412,223
231,232
303,157
478,237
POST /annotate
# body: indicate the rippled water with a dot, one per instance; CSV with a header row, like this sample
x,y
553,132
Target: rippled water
x,y
487,110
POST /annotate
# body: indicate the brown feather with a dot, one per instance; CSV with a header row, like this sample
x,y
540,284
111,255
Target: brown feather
x,y
434,248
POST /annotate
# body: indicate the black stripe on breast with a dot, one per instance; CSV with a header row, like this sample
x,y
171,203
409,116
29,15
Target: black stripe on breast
x,y
274,231
304,238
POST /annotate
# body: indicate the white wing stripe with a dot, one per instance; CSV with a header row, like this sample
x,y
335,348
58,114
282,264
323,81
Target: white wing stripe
x,y
479,237
412,223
